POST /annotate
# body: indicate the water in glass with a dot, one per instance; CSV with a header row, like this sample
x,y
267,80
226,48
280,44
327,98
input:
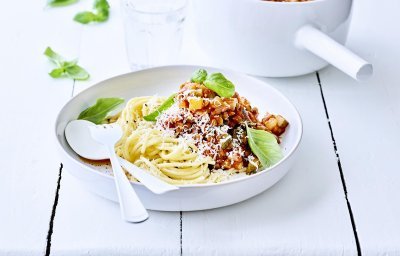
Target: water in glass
x,y
153,31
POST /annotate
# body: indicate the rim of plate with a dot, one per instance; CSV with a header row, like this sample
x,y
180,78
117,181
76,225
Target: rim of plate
x,y
154,69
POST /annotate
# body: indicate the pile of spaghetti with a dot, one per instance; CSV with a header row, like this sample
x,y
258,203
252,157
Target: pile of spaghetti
x,y
198,135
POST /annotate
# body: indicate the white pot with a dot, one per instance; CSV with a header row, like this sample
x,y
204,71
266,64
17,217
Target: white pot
x,y
277,39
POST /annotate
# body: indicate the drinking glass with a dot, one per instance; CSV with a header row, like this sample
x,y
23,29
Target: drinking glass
x,y
153,31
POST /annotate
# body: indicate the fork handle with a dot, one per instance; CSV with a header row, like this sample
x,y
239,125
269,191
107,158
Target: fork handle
x,y
132,209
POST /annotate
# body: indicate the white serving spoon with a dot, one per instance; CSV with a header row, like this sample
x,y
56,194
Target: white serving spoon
x,y
79,138
132,209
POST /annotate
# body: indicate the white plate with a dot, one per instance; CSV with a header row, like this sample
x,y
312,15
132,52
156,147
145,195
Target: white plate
x,y
164,81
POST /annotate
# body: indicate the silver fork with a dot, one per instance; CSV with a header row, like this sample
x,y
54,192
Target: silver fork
x,y
132,209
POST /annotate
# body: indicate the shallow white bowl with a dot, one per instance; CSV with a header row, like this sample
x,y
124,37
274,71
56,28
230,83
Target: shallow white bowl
x,y
164,81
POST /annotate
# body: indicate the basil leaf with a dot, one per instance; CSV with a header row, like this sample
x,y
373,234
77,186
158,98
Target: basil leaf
x,y
65,68
76,72
56,73
66,64
219,84
102,7
102,16
99,111
53,56
265,146
85,17
199,76
166,105
101,13
57,3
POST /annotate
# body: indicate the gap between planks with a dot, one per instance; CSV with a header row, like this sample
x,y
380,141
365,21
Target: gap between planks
x,y
353,223
54,209
53,213
181,233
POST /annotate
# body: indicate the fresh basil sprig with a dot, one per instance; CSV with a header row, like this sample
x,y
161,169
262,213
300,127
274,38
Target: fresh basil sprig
x,y
166,105
199,76
98,112
265,146
65,68
58,3
100,14
219,84
216,82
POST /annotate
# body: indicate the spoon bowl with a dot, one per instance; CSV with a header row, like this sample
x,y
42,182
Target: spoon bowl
x,y
107,134
78,135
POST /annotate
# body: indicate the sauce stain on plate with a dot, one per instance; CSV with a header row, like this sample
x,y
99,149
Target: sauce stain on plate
x,y
104,166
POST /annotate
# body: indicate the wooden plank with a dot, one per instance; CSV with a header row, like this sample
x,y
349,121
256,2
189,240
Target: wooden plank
x,y
365,119
304,214
30,101
102,49
88,224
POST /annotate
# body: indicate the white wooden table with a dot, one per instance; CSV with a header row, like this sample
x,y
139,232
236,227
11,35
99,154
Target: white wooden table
x,y
341,197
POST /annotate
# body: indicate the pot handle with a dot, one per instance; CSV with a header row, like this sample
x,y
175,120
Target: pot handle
x,y
323,46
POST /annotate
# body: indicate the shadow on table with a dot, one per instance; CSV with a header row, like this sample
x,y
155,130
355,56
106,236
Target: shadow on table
x,y
307,184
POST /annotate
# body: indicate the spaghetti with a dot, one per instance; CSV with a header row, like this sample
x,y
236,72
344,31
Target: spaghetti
x,y
174,160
